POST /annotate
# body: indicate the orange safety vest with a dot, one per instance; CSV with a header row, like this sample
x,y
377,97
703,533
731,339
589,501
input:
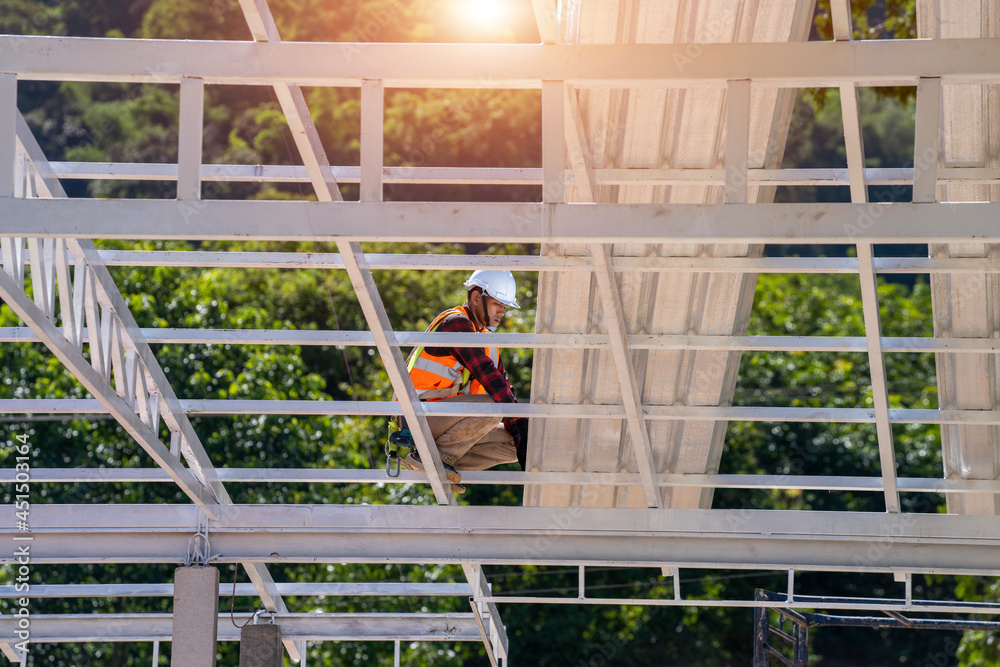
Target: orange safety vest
x,y
436,378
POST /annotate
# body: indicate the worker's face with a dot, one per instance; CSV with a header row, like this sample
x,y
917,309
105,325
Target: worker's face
x,y
494,310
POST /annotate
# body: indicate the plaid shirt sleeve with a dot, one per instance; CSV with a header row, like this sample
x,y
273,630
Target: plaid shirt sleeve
x,y
492,377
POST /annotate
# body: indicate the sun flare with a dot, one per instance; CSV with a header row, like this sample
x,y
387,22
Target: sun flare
x,y
484,13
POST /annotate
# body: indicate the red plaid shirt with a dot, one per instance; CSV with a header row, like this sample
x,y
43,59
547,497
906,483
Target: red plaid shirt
x,y
492,377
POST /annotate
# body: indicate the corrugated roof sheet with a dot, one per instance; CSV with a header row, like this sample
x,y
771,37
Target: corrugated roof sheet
x,y
656,129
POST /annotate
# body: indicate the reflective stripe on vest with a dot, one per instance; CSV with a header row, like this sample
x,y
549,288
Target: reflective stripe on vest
x,y
435,378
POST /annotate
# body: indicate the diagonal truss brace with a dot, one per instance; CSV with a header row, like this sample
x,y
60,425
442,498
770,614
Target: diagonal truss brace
x,y
869,297
627,382
121,350
487,614
263,27
293,105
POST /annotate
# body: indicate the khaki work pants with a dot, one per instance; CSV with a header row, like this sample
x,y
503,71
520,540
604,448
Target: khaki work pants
x,y
472,443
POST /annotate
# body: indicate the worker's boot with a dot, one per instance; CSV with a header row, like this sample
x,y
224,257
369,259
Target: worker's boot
x,y
413,462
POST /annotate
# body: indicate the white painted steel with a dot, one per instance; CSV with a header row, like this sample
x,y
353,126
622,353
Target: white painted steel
x,y
554,142
547,20
537,341
295,174
46,628
209,407
741,539
509,175
291,260
488,223
189,145
372,141
311,588
8,132
634,65
874,605
375,476
927,140
737,141
613,105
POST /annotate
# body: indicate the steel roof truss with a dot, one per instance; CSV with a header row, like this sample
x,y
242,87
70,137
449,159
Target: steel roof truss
x,y
74,361
139,377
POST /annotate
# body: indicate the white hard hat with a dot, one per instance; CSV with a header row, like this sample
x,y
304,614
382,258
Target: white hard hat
x,y
498,284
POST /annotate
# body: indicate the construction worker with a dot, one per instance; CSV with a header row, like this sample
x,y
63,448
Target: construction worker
x,y
470,374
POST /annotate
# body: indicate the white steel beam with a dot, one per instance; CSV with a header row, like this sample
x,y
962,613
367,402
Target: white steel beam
x,y
554,142
577,148
927,140
77,628
486,477
737,140
509,175
502,222
372,139
382,261
739,539
305,588
8,132
886,605
840,18
547,19
628,385
189,144
209,407
494,634
778,64
312,260
851,113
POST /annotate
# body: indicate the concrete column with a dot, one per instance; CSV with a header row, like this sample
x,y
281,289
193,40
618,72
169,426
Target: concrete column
x,y
260,645
196,616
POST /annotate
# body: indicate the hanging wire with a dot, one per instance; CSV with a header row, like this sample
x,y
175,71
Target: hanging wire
x,y
199,548
232,603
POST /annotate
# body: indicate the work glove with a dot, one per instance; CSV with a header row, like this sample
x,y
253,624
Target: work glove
x,y
521,442
518,429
